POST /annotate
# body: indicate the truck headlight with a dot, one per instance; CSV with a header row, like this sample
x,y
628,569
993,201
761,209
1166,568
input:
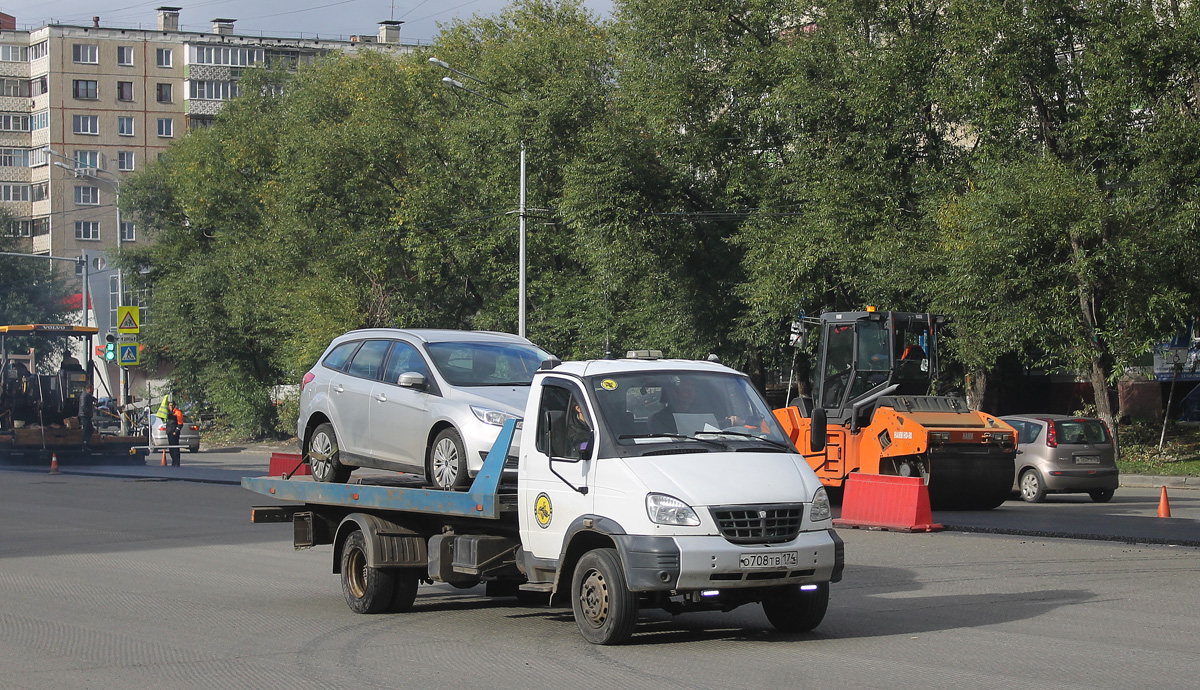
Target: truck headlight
x,y
668,510
490,416
820,506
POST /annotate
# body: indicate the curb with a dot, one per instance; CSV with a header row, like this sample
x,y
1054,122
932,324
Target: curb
x,y
1149,481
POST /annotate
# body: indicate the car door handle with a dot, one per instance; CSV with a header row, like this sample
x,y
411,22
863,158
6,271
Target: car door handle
x,y
339,389
381,397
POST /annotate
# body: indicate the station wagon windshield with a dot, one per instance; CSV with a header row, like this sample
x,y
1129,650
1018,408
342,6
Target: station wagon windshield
x,y
486,364
716,411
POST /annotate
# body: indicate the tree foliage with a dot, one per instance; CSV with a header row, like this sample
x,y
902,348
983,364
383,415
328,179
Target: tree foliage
x,y
698,173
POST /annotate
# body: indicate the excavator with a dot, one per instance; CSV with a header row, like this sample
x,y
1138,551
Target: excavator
x,y
872,377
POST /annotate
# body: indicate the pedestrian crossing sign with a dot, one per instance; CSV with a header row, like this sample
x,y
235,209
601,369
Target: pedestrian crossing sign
x,y
128,354
129,319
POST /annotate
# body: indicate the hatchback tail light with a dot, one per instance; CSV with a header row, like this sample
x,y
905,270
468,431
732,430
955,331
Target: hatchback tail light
x,y
306,380
1051,434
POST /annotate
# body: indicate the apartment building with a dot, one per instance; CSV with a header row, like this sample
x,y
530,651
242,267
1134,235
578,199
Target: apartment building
x,y
82,107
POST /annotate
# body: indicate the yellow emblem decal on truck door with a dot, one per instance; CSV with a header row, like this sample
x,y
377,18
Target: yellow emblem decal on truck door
x,y
542,510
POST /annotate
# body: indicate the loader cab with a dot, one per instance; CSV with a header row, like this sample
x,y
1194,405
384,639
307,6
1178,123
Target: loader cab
x,y
863,354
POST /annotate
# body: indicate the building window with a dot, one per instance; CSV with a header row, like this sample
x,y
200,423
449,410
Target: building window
x,y
19,228
164,93
87,230
125,56
223,55
163,57
85,53
86,124
87,196
38,157
39,50
125,160
14,192
213,90
124,91
84,88
87,159
39,85
15,87
14,123
39,191
14,158
128,232
14,53
165,127
39,120
125,125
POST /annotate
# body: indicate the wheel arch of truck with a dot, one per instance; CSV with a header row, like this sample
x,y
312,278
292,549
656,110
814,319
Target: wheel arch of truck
x,y
650,563
388,544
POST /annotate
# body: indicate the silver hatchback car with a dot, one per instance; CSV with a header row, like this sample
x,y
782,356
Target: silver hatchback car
x,y
424,401
1062,454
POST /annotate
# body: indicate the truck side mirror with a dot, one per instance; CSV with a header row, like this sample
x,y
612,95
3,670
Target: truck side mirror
x,y
411,379
554,439
818,428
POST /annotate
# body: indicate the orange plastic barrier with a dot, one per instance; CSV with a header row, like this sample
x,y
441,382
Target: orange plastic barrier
x,y
282,463
883,502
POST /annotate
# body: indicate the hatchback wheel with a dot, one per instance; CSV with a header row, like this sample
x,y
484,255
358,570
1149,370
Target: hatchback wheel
x,y
447,465
1101,495
323,456
1032,489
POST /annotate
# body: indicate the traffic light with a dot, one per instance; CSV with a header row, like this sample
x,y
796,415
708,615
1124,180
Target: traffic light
x,y
110,348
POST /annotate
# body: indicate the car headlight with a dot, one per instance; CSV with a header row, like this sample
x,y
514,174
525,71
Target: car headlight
x,y
668,510
490,416
820,506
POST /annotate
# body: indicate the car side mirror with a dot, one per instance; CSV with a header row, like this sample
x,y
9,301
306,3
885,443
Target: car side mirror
x,y
411,379
818,427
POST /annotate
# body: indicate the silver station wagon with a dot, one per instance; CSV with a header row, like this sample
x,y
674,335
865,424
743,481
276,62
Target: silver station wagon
x,y
1061,454
423,401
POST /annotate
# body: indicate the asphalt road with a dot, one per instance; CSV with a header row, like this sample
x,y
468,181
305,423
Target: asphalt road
x,y
119,583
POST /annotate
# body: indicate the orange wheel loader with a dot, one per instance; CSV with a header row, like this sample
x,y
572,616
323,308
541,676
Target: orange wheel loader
x,y
872,377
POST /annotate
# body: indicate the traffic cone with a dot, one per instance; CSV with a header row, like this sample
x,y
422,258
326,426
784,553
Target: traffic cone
x,y
54,463
164,460
1164,506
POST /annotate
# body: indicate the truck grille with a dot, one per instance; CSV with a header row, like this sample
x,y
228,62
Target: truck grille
x,y
765,524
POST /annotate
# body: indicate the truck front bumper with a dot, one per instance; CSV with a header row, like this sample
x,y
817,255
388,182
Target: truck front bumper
x,y
710,562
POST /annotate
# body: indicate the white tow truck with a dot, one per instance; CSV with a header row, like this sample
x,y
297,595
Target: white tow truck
x,y
638,483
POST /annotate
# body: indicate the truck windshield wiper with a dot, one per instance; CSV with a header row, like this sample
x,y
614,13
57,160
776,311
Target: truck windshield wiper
x,y
770,442
709,441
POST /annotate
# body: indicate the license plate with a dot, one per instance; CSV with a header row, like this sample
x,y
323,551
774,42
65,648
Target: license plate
x,y
769,561
1087,460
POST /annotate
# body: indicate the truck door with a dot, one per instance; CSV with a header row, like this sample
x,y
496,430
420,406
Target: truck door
x,y
549,492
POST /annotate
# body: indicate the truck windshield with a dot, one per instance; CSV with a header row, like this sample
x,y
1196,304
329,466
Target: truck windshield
x,y
716,410
486,364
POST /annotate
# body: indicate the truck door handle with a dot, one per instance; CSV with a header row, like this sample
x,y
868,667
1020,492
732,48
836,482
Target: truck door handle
x,y
381,397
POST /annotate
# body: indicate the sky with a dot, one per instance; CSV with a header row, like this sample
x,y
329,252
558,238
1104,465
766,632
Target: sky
x,y
282,18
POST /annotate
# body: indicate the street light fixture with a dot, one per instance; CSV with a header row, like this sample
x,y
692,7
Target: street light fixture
x,y
521,210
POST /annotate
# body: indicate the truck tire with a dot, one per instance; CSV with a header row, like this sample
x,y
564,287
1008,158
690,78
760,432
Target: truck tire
x,y
1032,488
323,456
793,610
405,588
605,610
367,589
447,464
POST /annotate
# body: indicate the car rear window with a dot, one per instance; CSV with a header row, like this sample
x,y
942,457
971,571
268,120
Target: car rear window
x,y
1070,431
337,358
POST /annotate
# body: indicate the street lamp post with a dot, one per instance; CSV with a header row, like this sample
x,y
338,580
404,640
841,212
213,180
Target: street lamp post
x,y
93,174
521,209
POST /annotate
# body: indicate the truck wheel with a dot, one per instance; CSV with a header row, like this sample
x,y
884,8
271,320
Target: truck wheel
x,y
793,610
1101,495
1032,489
605,610
367,589
447,466
323,456
405,589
